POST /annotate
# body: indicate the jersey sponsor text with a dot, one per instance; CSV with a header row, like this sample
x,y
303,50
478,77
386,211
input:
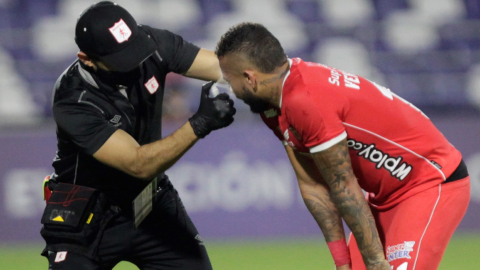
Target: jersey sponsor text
x,y
394,165
400,251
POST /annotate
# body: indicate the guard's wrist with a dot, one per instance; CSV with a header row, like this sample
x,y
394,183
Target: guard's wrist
x,y
199,126
340,253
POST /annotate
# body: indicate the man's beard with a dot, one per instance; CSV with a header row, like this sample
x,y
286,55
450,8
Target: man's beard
x,y
256,105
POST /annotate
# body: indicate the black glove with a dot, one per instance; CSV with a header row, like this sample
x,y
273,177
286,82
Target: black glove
x,y
213,113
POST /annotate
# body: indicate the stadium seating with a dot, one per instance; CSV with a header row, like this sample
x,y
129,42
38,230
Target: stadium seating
x,y
427,51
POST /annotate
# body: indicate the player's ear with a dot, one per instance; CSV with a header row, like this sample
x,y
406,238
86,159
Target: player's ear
x,y
251,78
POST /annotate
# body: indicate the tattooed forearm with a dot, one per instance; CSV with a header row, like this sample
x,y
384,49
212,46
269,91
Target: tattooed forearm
x,y
335,167
326,214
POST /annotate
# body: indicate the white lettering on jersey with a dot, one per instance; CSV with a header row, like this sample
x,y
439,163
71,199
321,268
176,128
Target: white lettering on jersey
x,y
351,81
394,165
403,266
402,171
334,77
384,90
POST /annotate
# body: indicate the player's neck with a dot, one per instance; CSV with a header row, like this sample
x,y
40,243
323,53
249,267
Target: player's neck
x,y
273,84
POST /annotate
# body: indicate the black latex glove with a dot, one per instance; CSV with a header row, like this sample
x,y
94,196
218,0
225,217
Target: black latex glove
x,y
213,113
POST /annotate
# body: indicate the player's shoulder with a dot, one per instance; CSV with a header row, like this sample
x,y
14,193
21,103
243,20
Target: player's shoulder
x,y
309,68
310,87
308,74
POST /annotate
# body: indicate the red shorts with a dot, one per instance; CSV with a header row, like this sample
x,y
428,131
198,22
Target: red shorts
x,y
416,232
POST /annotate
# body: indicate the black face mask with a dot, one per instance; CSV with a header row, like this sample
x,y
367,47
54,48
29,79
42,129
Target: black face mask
x,y
118,78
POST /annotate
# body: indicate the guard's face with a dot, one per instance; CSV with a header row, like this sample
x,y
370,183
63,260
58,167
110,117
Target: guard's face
x,y
241,84
111,76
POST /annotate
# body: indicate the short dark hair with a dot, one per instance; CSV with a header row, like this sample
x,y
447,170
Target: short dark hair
x,y
255,42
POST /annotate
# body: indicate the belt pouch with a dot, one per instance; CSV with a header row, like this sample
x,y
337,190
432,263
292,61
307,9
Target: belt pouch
x,y
69,207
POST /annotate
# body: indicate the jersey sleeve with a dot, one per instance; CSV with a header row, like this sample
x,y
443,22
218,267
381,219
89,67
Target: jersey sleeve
x,y
317,119
83,124
178,53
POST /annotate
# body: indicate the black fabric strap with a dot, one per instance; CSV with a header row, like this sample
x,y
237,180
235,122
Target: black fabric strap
x,y
459,173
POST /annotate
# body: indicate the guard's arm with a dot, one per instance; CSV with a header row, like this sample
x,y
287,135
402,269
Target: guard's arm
x,y
316,195
335,167
122,152
205,67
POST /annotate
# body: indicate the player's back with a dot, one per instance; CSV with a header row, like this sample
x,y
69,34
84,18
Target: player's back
x,y
395,149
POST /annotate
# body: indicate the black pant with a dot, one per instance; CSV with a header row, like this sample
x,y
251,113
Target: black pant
x,y
166,239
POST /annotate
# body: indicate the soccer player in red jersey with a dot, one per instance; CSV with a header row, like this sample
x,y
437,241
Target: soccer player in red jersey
x,y
343,133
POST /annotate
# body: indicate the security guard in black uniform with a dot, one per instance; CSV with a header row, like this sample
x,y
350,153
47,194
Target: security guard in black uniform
x,y
111,201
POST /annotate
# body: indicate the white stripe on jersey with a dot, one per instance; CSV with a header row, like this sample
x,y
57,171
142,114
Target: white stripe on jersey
x,y
328,144
426,227
401,146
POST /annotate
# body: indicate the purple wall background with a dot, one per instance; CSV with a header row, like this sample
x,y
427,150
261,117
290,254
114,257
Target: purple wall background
x,y
235,183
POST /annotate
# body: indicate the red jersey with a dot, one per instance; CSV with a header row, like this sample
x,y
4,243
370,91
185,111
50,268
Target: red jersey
x,y
395,149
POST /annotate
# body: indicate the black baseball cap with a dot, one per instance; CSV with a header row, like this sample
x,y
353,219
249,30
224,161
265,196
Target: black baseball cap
x,y
107,31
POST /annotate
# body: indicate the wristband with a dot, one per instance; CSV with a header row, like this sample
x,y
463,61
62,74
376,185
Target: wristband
x,y
340,253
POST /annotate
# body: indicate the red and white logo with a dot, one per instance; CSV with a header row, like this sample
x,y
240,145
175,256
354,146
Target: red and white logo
x,y
400,251
152,85
120,31
61,256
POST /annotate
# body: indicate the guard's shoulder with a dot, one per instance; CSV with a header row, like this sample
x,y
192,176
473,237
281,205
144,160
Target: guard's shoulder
x,y
158,34
153,32
69,85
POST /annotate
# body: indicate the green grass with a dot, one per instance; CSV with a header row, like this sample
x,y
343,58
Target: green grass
x,y
462,253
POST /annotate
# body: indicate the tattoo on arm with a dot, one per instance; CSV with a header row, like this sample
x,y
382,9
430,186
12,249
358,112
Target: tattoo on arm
x,y
316,195
326,214
335,167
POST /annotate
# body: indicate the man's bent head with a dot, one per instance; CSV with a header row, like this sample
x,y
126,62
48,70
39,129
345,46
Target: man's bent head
x,y
250,58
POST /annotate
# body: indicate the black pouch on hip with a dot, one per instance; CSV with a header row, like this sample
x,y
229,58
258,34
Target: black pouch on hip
x,y
69,207
75,218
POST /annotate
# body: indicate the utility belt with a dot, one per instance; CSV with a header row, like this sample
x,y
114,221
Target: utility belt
x,y
76,216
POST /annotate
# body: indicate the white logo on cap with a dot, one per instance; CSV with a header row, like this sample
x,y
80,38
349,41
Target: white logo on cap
x,y
120,31
152,85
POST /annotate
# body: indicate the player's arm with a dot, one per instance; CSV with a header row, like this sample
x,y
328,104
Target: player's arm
x,y
205,67
335,167
316,195
122,152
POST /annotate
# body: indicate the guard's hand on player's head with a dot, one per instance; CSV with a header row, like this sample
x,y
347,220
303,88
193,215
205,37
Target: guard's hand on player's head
x,y
213,112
